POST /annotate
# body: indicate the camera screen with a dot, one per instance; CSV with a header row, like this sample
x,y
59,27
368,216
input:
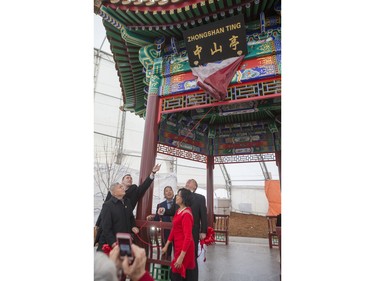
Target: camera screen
x,y
125,249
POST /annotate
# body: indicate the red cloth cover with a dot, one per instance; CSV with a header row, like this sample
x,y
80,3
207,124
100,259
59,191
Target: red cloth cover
x,y
214,78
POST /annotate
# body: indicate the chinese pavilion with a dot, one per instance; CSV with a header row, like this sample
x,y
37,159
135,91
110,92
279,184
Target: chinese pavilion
x,y
183,120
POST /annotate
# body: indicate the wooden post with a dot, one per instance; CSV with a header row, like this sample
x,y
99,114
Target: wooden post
x,y
210,190
148,154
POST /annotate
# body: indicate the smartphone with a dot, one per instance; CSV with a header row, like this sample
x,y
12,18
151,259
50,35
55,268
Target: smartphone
x,y
124,241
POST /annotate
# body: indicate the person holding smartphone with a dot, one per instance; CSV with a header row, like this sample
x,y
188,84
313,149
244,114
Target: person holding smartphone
x,y
107,267
181,235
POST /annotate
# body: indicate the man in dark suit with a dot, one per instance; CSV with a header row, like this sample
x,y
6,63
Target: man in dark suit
x,y
199,210
133,193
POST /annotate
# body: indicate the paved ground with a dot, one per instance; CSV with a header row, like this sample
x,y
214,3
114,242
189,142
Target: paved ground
x,y
244,259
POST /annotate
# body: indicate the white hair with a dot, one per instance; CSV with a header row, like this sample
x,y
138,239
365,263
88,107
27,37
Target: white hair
x,y
113,185
104,268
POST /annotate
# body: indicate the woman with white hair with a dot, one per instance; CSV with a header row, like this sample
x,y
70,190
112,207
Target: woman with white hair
x,y
104,268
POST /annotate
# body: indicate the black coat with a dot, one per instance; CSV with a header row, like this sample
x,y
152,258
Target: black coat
x,y
116,217
199,209
134,193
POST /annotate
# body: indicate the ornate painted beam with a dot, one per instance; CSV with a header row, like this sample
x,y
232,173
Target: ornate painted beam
x,y
230,159
244,158
265,89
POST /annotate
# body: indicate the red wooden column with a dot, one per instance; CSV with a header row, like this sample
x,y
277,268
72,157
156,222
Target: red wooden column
x,y
149,148
210,190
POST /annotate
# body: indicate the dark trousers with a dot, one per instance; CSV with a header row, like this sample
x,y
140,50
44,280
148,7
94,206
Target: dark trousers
x,y
178,277
196,242
169,249
99,248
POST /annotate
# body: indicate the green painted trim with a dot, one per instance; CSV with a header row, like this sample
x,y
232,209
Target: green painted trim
x,y
263,5
111,34
204,7
150,17
121,58
189,12
178,32
134,67
158,17
159,32
248,11
255,25
154,85
196,10
132,48
211,3
180,13
135,38
270,4
125,16
112,14
166,16
173,15
255,10
118,51
168,31
111,28
147,54
132,15
123,64
115,43
142,17
139,75
146,32
221,4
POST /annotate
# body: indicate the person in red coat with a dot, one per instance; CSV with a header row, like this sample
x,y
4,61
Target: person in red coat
x,y
183,261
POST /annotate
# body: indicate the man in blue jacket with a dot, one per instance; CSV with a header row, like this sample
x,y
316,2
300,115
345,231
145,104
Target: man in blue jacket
x,y
168,203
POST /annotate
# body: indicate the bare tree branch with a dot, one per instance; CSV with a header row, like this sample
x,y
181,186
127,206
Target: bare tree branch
x,y
106,170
